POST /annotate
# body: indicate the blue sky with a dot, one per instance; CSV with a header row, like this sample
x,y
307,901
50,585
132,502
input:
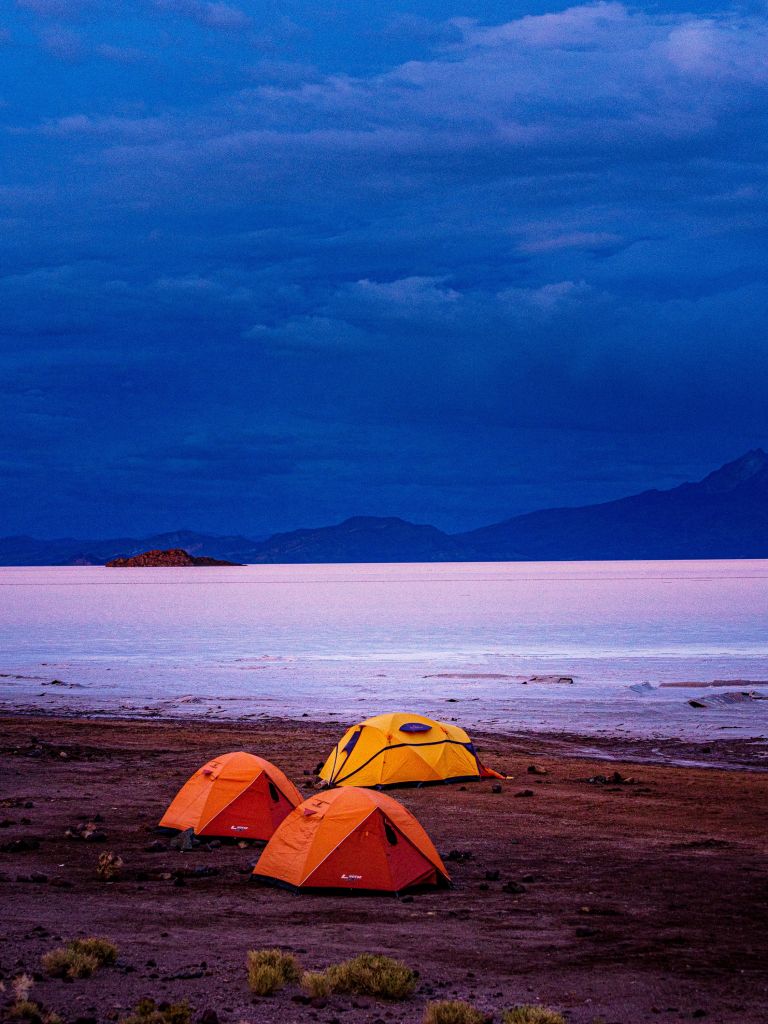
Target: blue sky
x,y
265,265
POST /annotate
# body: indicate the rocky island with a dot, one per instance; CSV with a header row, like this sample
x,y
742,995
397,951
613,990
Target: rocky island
x,y
166,559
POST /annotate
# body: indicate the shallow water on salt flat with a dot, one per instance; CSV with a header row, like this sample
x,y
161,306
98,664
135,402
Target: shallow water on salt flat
x,y
351,640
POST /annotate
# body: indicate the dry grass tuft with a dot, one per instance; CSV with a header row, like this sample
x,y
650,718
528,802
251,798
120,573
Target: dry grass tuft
x,y
25,1009
33,1013
22,986
80,958
372,975
68,963
147,1011
104,950
531,1015
269,970
452,1011
316,984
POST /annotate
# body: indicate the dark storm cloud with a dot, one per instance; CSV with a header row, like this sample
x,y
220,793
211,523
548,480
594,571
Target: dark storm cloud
x,y
264,270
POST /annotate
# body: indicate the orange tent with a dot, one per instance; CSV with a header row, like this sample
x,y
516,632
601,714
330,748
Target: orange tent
x,y
237,795
351,838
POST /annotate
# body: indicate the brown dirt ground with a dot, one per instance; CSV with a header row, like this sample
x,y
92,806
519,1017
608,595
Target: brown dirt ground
x,y
644,902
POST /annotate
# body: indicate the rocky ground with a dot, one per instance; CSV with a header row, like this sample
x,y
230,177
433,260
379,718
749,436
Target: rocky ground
x,y
609,900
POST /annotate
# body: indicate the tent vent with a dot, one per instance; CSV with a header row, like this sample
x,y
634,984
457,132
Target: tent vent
x,y
390,833
273,792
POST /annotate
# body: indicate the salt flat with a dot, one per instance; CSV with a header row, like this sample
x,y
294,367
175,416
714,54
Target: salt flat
x,y
455,640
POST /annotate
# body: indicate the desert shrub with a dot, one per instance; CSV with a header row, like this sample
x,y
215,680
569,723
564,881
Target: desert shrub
x,y
372,975
531,1015
452,1011
316,984
104,950
147,1011
79,958
269,970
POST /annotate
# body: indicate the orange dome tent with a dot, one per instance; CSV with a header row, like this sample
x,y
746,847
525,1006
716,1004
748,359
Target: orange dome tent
x,y
351,839
236,794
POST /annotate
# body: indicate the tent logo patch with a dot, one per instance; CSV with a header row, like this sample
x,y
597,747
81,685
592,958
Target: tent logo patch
x,y
351,878
238,828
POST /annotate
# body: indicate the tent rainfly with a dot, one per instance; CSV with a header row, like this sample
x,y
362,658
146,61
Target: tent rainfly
x,y
403,749
237,794
351,839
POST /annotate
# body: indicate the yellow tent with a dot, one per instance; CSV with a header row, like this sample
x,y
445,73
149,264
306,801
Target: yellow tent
x,y
401,749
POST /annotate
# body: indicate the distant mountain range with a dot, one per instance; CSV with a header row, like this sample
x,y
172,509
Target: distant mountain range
x,y
725,515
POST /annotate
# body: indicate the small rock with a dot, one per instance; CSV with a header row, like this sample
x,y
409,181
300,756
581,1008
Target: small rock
x,y
617,779
513,887
155,847
525,792
97,836
23,845
213,845
535,769
206,872
184,841
496,787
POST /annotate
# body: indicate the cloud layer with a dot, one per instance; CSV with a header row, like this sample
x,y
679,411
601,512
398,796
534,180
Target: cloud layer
x,y
265,271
